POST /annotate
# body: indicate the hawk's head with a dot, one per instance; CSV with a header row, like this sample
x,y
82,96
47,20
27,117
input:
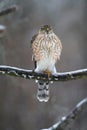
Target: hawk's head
x,y
46,29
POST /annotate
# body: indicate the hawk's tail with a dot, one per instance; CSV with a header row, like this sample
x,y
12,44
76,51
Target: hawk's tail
x,y
43,91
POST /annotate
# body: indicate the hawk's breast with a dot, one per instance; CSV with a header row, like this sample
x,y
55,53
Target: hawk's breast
x,y
46,47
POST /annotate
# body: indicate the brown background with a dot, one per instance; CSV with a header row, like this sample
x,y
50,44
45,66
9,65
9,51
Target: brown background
x,y
19,108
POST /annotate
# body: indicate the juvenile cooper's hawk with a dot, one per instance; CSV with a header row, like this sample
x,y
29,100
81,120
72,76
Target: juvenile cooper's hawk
x,y
46,50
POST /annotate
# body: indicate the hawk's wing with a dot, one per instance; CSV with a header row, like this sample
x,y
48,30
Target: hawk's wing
x,y
33,38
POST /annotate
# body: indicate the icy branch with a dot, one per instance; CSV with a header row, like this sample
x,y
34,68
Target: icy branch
x,y
30,74
67,120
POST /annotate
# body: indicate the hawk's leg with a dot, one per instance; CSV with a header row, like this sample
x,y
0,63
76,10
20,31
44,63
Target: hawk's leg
x,y
48,73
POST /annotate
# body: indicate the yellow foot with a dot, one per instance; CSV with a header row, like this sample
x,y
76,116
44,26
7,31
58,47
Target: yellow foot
x,y
48,73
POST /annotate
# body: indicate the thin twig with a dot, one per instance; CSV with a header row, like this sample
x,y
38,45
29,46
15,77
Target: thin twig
x,y
30,74
6,11
67,120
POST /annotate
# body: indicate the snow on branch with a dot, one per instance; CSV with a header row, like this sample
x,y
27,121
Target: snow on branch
x,y
67,120
2,30
30,74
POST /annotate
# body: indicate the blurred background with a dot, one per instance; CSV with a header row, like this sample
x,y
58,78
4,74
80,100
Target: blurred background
x,y
19,108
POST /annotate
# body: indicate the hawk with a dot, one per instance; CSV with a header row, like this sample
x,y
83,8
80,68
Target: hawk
x,y
46,50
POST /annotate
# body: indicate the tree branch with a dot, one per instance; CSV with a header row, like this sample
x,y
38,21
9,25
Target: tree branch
x,y
2,30
67,120
8,10
30,74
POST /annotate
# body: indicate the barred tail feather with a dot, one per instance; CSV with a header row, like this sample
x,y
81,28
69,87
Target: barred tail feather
x,y
43,91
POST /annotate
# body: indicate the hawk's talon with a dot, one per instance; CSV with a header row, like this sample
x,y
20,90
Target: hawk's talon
x,y
48,73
